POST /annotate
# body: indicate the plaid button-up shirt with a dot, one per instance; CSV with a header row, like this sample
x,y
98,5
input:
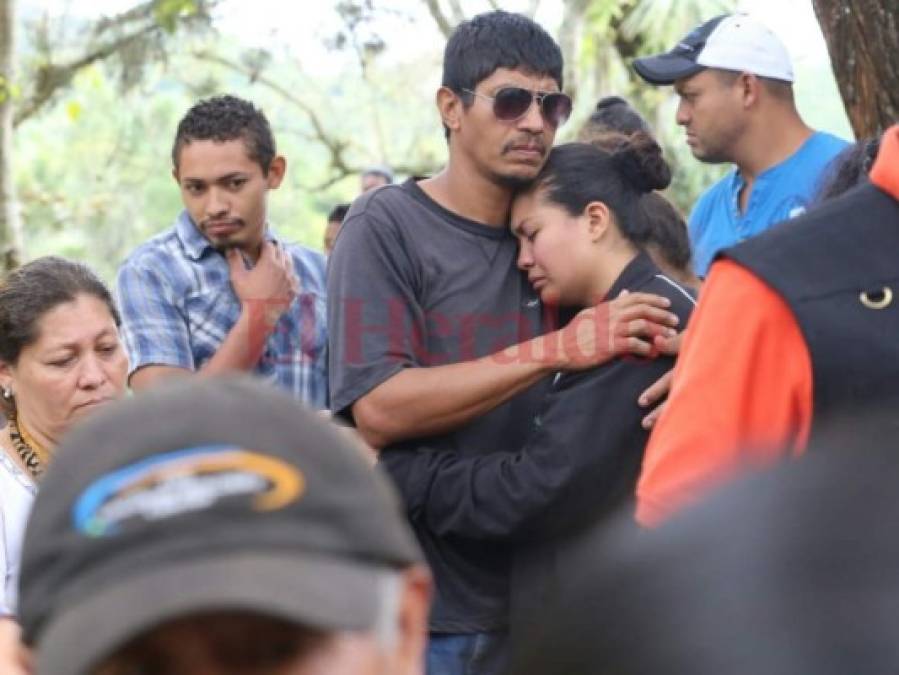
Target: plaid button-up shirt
x,y
177,305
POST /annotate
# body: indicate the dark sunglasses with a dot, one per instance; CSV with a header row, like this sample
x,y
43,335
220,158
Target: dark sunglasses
x,y
512,103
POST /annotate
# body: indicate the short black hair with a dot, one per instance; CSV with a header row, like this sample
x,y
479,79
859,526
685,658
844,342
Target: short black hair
x,y
338,213
226,118
576,174
498,39
779,89
613,114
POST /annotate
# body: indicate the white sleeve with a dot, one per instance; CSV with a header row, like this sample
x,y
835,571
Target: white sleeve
x,y
5,600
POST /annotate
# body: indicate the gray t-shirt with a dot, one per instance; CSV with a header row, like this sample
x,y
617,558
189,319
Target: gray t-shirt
x,y
411,284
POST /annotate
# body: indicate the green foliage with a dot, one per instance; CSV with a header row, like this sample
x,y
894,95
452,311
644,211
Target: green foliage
x,y
91,184
8,90
660,23
94,171
169,12
617,31
94,168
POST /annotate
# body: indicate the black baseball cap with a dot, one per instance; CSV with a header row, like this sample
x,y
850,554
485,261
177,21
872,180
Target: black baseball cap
x,y
734,42
206,495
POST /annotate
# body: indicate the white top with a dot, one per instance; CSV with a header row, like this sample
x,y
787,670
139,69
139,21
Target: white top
x,y
17,491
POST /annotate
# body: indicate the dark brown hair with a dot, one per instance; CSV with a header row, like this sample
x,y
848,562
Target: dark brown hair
x,y
667,231
612,115
227,118
579,173
33,290
234,641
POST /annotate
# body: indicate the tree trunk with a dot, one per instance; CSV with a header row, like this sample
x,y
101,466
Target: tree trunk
x,y
863,40
570,34
10,220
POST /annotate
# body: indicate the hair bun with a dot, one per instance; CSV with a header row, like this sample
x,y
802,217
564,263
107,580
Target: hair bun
x,y
639,158
609,101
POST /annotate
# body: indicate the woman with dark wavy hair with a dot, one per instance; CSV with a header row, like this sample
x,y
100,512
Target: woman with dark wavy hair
x,y
60,360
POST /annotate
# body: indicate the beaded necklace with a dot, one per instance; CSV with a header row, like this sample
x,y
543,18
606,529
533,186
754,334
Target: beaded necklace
x,y
29,450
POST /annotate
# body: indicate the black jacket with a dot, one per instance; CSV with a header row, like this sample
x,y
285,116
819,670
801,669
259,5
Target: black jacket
x,y
836,268
580,461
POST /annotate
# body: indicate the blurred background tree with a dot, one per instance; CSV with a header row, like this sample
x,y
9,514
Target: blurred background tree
x,y
863,41
345,84
57,52
606,37
11,234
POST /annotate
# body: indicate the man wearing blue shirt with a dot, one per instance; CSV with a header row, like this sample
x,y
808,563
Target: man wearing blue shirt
x,y
734,78
218,291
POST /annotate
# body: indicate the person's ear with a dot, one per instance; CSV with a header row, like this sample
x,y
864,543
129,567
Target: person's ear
x,y
749,88
276,171
6,377
450,106
599,218
415,606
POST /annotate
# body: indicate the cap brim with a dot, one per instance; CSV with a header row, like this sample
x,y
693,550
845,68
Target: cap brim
x,y
327,594
665,68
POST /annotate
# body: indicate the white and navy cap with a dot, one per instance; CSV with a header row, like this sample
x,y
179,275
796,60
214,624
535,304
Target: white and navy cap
x,y
729,42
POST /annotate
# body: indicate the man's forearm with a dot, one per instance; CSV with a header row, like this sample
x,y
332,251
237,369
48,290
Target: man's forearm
x,y
426,401
244,345
419,402
240,351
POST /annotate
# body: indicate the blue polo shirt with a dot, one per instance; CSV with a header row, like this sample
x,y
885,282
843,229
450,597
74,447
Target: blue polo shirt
x,y
779,193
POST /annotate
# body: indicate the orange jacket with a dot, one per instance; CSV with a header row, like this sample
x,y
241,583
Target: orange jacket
x,y
742,385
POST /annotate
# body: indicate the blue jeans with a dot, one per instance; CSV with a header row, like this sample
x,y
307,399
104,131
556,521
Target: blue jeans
x,y
467,653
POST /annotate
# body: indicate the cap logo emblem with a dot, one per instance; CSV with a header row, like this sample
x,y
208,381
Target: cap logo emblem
x,y
183,481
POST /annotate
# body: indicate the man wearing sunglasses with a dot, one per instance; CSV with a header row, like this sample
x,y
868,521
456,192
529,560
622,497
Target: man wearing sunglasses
x,y
437,340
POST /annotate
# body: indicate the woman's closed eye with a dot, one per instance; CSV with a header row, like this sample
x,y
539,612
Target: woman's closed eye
x,y
107,349
61,361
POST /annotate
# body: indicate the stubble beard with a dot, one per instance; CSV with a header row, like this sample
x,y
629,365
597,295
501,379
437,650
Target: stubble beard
x,y
717,150
517,181
225,243
710,156
514,182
